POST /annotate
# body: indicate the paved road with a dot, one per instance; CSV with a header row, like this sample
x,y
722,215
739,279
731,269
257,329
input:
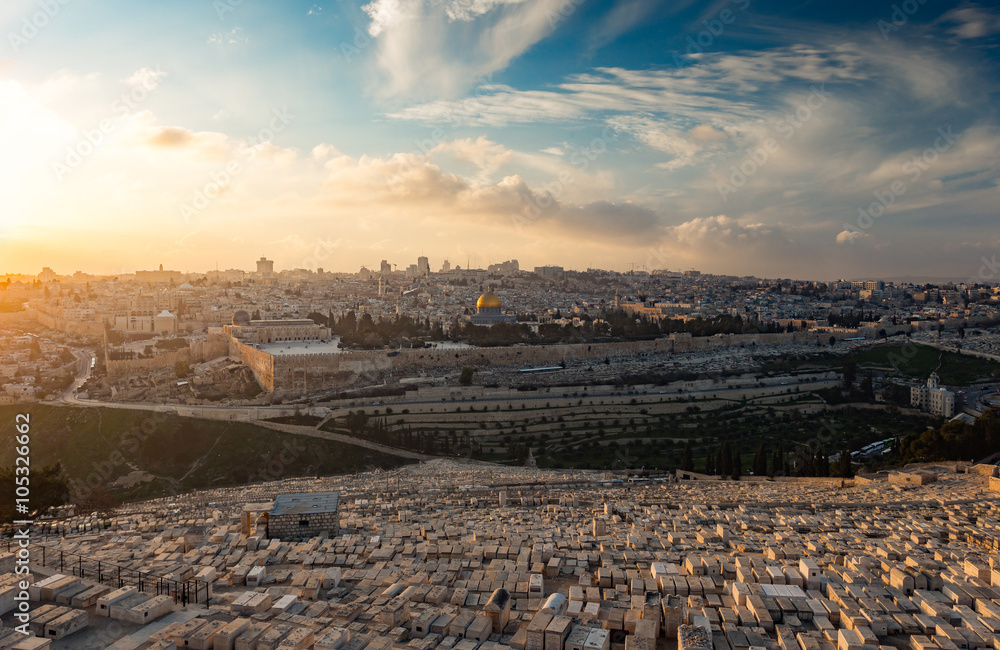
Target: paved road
x,y
83,368
260,414
329,435
248,413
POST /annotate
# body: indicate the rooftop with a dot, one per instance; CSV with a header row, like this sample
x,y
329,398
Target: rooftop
x,y
289,348
306,503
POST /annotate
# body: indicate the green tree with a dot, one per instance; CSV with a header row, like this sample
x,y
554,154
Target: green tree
x,y
760,461
687,460
778,461
466,377
725,465
182,369
850,371
844,464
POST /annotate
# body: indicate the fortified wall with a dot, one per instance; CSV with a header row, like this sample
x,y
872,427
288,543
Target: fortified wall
x,y
61,325
294,374
196,352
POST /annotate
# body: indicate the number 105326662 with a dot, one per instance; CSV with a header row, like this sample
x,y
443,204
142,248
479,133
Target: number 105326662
x,y
22,462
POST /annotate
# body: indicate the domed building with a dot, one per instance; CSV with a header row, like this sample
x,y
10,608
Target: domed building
x,y
489,311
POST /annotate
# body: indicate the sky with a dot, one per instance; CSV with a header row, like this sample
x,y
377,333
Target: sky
x,y
812,140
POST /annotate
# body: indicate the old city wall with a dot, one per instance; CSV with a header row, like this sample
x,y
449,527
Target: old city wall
x,y
70,327
9,319
196,352
300,373
260,363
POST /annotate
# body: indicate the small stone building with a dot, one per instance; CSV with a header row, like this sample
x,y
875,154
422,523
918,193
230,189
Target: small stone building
x,y
301,516
919,477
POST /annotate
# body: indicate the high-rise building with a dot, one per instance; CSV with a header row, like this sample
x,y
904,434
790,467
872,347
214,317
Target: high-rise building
x,y
510,267
424,265
550,272
265,268
386,268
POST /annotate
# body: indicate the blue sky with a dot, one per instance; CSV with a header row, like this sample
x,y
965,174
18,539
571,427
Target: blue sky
x,y
812,140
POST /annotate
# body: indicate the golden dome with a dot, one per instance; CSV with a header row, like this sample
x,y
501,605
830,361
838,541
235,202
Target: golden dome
x,y
488,299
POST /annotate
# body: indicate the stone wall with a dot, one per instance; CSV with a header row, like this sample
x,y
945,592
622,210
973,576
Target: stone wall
x,y
823,481
8,319
297,374
196,352
912,478
260,363
288,526
70,327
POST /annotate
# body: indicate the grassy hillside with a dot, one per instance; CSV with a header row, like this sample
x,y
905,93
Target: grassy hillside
x,y
100,446
914,361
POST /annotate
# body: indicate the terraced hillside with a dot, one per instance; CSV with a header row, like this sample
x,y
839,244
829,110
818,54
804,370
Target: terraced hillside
x,y
607,427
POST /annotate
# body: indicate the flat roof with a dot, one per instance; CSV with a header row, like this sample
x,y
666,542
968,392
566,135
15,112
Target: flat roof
x,y
305,503
281,322
290,348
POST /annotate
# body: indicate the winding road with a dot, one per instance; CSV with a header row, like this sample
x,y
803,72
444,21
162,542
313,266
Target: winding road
x,y
255,414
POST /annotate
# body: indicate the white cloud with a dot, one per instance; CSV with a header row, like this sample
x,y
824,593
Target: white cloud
x,y
147,78
383,14
849,236
686,93
656,135
429,49
971,22
471,9
621,18
235,36
488,156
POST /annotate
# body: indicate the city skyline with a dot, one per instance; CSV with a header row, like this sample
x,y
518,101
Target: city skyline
x,y
736,138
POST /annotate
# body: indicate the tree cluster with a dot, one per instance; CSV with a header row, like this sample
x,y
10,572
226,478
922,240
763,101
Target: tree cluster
x,y
955,440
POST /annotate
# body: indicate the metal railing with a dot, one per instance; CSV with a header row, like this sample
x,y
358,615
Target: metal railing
x,y
117,576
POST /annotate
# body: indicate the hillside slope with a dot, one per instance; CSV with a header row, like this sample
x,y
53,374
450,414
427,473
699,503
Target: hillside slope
x,y
138,454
